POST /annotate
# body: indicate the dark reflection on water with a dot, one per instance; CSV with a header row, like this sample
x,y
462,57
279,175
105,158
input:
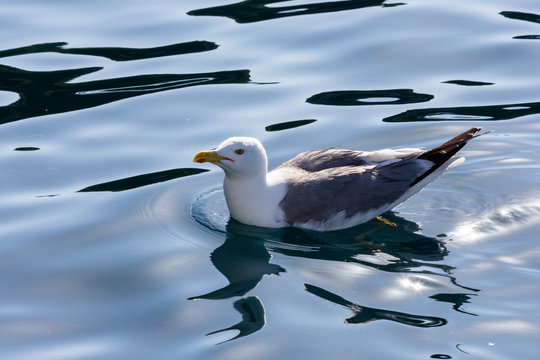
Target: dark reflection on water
x,y
468,113
257,10
457,299
525,17
288,125
51,92
521,16
364,314
253,317
467,82
527,37
44,93
440,356
143,180
245,258
115,53
408,249
369,97
26,148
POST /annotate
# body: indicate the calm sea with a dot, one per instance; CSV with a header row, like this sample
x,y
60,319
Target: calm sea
x,y
114,245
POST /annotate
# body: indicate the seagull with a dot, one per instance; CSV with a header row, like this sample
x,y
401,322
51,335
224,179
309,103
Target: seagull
x,y
325,190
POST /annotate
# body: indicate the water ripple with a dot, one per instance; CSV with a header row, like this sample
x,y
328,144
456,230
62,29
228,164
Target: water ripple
x,y
468,113
115,53
52,92
468,83
133,182
253,317
288,125
496,221
369,97
364,314
249,11
516,15
527,37
373,244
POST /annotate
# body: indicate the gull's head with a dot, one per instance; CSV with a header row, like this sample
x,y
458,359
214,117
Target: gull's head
x,y
237,156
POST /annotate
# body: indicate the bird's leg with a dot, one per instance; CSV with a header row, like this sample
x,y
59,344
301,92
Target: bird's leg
x,y
361,239
386,221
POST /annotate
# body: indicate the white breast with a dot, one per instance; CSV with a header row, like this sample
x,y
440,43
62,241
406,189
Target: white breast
x,y
255,202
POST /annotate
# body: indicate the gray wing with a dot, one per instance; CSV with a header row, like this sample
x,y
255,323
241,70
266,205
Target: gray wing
x,y
324,159
336,180
333,158
317,196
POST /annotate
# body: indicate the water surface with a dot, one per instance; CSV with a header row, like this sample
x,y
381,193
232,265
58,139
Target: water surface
x,y
115,245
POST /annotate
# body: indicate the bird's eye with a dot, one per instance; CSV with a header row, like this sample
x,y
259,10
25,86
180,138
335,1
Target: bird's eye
x,y
239,151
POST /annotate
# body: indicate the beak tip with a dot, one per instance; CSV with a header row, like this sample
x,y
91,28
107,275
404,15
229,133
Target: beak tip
x,y
200,157
208,156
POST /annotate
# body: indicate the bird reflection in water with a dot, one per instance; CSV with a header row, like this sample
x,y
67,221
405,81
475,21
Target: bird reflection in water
x,y
245,258
243,261
253,317
364,314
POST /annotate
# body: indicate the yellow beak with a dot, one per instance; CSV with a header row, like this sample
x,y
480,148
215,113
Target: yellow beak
x,y
209,156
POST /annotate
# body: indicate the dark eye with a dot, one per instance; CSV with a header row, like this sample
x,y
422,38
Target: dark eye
x,y
239,151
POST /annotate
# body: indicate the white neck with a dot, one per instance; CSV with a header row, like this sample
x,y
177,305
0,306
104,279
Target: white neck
x,y
253,201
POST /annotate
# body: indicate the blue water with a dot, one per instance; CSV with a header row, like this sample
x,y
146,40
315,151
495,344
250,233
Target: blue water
x,y
114,245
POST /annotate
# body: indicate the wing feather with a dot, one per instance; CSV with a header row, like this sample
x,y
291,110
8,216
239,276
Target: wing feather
x,y
318,160
337,181
317,196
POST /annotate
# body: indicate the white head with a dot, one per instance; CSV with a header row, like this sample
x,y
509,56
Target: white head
x,y
237,156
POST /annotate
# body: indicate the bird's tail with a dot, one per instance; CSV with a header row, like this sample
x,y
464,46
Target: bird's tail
x,y
442,153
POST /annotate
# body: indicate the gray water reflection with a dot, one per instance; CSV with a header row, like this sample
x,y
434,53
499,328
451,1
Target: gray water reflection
x,y
245,258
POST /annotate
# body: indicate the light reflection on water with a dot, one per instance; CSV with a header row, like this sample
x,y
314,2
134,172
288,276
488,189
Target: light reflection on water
x,y
244,260
7,97
503,220
114,245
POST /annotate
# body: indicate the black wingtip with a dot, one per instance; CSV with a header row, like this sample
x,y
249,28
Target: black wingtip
x,y
442,153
